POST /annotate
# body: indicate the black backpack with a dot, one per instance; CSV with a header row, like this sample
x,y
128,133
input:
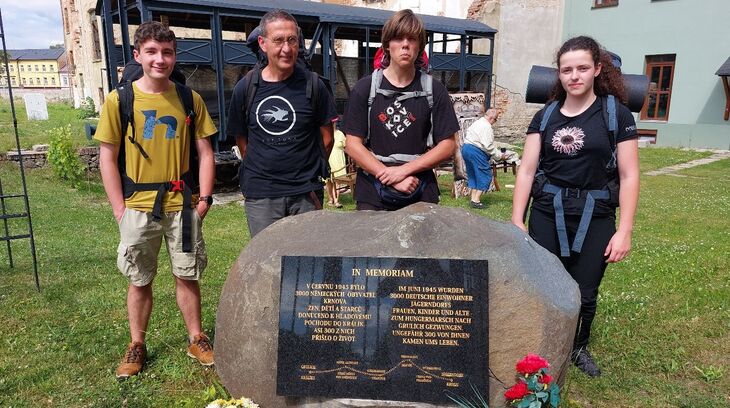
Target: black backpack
x,y
189,182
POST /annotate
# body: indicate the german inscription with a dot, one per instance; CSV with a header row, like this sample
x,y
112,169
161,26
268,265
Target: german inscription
x,y
382,328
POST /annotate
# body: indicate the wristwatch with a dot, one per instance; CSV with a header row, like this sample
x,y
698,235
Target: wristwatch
x,y
206,199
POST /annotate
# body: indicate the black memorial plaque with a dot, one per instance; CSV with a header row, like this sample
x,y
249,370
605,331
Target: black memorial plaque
x,y
402,329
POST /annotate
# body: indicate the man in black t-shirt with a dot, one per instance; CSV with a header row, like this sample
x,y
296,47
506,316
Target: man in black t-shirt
x,y
282,156
391,145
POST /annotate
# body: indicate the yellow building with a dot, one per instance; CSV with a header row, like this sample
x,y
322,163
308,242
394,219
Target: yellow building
x,y
37,68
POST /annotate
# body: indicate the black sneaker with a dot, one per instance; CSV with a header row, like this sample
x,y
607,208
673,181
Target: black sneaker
x,y
477,205
584,361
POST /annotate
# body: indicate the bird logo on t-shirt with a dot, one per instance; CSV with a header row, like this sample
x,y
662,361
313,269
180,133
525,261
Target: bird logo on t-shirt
x,y
275,115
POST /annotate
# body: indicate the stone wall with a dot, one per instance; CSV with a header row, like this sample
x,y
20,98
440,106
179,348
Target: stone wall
x,y
31,159
37,157
514,116
52,95
90,157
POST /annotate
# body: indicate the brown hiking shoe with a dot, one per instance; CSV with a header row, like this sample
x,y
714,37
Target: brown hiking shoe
x,y
133,360
201,349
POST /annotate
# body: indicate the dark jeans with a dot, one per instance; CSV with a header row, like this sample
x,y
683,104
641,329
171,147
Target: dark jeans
x,y
586,267
262,212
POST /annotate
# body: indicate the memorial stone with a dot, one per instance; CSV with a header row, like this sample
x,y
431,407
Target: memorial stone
x,y
533,303
35,106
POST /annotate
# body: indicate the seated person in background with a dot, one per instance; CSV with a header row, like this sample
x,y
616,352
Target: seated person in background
x,y
505,154
338,167
477,150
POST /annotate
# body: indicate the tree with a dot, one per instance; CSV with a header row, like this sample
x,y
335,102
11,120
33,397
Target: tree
x,y
56,46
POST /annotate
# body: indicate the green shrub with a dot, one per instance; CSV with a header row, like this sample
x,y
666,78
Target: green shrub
x,y
87,109
63,157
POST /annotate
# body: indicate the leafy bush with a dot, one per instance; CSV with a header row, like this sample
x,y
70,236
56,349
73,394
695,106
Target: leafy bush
x,y
87,109
62,155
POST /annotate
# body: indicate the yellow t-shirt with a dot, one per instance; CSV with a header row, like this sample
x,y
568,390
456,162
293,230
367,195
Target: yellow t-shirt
x,y
161,130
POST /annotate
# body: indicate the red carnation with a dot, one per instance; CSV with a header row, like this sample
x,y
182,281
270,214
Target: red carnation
x,y
545,379
517,391
531,364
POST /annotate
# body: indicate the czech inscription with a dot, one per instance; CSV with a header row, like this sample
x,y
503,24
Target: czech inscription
x,y
382,328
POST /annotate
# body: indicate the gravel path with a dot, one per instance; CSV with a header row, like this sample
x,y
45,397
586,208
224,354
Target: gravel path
x,y
719,155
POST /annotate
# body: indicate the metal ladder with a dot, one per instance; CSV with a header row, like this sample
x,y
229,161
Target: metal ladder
x,y
4,215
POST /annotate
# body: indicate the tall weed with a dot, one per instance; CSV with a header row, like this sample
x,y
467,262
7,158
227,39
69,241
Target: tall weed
x,y
63,157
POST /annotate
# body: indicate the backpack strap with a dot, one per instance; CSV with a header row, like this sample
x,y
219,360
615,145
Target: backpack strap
x,y
591,196
608,109
186,98
126,115
313,90
252,80
313,97
546,113
375,79
427,87
549,109
190,178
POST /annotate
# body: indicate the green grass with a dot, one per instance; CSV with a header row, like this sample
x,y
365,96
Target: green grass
x,y
32,132
661,336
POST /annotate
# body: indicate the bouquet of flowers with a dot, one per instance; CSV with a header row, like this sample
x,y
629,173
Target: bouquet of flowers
x,y
232,403
535,387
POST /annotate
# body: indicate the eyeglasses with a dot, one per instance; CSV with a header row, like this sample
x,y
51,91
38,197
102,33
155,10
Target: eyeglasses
x,y
279,42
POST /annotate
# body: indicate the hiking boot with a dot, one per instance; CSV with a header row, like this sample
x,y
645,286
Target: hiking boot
x,y
584,361
201,349
133,361
477,205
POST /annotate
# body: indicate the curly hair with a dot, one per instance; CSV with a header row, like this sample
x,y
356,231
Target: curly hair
x,y
608,82
153,30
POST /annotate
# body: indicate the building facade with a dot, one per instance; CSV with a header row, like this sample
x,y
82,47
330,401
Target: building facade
x,y
529,33
86,67
679,45
33,68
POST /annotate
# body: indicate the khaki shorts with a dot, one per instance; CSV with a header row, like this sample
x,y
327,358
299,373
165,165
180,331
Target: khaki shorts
x,y
140,241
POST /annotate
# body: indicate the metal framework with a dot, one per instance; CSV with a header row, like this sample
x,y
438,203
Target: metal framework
x,y
323,23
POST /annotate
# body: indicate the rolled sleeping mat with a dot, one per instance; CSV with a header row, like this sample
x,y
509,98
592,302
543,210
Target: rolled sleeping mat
x,y
637,87
541,81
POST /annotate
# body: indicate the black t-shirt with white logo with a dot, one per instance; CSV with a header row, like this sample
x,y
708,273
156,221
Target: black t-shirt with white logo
x,y
575,150
283,153
399,127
